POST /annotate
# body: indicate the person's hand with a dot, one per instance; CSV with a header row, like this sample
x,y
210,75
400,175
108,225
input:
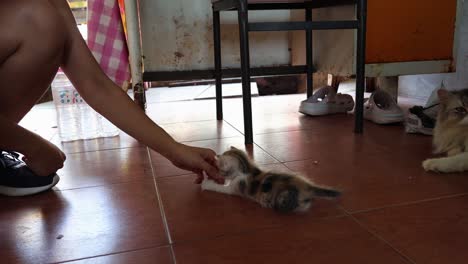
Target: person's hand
x,y
197,160
44,158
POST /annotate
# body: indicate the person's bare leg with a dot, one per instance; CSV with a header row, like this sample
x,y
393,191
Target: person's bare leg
x,y
54,46
32,40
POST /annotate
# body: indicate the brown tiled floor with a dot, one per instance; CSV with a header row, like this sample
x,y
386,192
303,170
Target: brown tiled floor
x,y
119,202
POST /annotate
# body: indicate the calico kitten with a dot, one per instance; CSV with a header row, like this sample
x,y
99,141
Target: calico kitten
x,y
451,133
284,192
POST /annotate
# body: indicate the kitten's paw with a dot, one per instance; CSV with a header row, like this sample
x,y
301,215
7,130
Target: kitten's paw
x,y
207,184
430,165
437,165
204,184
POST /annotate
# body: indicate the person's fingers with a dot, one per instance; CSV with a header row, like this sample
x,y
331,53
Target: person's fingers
x,y
209,169
212,172
210,156
200,177
210,152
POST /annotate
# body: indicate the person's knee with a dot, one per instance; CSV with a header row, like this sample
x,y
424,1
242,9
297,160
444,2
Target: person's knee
x,y
44,26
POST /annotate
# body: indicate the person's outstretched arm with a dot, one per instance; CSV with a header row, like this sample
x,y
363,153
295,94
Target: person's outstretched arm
x,y
112,102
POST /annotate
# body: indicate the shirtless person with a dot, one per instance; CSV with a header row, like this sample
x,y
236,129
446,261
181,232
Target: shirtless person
x,y
36,38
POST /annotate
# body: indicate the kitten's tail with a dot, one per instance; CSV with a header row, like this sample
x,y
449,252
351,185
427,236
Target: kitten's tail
x,y
324,192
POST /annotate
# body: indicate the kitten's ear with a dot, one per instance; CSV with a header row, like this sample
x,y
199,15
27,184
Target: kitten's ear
x,y
233,148
443,95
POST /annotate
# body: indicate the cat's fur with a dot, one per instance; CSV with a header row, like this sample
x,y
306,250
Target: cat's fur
x,y
451,133
284,192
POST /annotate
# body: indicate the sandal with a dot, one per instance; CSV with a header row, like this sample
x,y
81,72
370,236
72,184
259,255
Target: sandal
x,y
326,101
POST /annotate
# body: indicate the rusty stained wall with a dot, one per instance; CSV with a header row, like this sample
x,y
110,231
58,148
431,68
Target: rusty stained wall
x,y
177,35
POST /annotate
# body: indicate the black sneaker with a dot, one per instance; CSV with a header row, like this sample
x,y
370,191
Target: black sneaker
x,y
16,179
421,119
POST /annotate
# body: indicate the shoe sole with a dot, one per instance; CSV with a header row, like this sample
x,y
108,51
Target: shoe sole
x,y
413,125
384,119
418,130
13,191
321,110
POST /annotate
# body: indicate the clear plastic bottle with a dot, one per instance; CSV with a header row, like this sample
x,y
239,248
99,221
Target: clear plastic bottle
x,y
76,120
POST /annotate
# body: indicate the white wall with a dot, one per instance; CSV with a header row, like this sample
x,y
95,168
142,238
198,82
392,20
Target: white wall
x,y
421,86
177,35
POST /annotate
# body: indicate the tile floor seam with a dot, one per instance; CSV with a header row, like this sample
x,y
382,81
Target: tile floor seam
x,y
250,230
52,137
206,139
283,131
235,128
170,101
97,150
428,200
204,90
203,140
148,178
175,175
184,122
380,238
272,132
275,158
306,159
173,256
110,254
161,204
190,173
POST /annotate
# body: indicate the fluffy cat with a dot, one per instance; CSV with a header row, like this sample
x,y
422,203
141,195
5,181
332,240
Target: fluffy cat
x,y
451,133
284,192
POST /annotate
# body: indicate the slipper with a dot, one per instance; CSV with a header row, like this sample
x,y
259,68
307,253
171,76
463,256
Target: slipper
x,y
326,101
381,108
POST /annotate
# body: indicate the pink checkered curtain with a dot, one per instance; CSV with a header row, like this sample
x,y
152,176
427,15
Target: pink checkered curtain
x,y
106,39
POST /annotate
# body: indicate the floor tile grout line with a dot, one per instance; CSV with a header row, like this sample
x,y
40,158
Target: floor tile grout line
x,y
161,208
184,122
111,254
231,125
370,231
251,230
254,143
408,203
273,132
204,90
192,173
296,160
98,150
161,205
104,185
173,256
207,139
53,136
275,158
283,131
197,140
